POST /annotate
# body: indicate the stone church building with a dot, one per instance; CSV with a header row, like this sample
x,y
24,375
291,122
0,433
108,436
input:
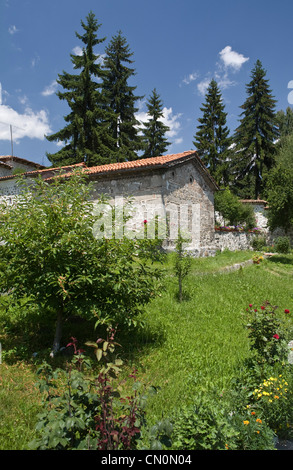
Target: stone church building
x,y
175,190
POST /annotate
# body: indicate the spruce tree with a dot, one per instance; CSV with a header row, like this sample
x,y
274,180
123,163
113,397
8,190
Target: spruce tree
x,y
86,135
255,136
155,142
120,99
285,122
212,139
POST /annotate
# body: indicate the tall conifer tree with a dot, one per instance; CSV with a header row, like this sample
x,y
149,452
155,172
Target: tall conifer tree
x,y
86,135
212,139
255,136
154,131
120,98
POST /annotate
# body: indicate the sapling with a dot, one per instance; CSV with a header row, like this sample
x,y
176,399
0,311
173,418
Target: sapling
x,y
182,263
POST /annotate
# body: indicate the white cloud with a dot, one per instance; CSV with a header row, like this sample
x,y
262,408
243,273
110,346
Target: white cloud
x,y
35,60
232,59
50,89
172,121
229,60
77,50
203,86
169,119
190,78
29,124
12,29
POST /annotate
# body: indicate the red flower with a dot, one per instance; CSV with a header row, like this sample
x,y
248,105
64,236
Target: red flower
x,y
250,305
145,221
276,336
287,311
262,307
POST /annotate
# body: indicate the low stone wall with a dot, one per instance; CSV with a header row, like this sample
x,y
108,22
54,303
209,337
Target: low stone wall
x,y
233,241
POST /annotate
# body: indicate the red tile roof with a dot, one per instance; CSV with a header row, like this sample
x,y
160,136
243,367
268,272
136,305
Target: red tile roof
x,y
163,161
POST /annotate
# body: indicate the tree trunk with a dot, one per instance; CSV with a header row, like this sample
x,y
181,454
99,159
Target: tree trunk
x,y
58,333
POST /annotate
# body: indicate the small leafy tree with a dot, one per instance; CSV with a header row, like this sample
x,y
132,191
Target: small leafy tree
x,y
233,210
49,253
182,264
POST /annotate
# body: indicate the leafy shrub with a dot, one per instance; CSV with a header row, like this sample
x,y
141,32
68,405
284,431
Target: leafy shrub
x,y
233,210
282,245
258,243
211,423
267,339
204,425
84,412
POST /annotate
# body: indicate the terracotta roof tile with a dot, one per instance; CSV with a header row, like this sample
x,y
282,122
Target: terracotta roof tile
x,y
162,161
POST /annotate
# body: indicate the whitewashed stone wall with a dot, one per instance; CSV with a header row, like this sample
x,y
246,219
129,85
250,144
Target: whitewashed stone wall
x,y
233,241
180,190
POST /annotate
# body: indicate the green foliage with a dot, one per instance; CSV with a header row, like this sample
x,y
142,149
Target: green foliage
x,y
285,122
90,413
182,264
282,244
273,399
212,137
201,426
255,136
264,327
280,198
50,254
209,341
86,136
154,130
233,210
119,98
259,242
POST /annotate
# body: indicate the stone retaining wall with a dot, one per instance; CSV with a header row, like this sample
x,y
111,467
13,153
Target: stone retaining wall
x,y
233,241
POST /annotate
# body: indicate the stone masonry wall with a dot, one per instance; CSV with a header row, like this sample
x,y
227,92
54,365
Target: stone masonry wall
x,y
178,192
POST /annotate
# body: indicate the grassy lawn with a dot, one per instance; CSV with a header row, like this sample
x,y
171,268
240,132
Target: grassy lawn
x,y
185,347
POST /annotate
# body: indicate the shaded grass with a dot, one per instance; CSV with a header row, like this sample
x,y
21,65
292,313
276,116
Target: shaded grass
x,y
19,405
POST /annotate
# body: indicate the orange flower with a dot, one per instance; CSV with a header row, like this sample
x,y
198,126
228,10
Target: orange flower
x,y
259,421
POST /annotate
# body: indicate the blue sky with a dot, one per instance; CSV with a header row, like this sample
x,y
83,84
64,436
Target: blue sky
x,y
178,47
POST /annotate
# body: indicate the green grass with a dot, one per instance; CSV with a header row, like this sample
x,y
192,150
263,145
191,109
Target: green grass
x,y
186,347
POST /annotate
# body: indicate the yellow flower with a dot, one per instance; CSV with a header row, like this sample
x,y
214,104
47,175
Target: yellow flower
x,y
246,422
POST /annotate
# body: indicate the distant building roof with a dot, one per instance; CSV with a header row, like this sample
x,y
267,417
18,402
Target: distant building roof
x,y
47,173
7,158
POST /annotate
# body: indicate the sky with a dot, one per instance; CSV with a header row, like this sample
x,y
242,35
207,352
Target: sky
x,y
178,47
